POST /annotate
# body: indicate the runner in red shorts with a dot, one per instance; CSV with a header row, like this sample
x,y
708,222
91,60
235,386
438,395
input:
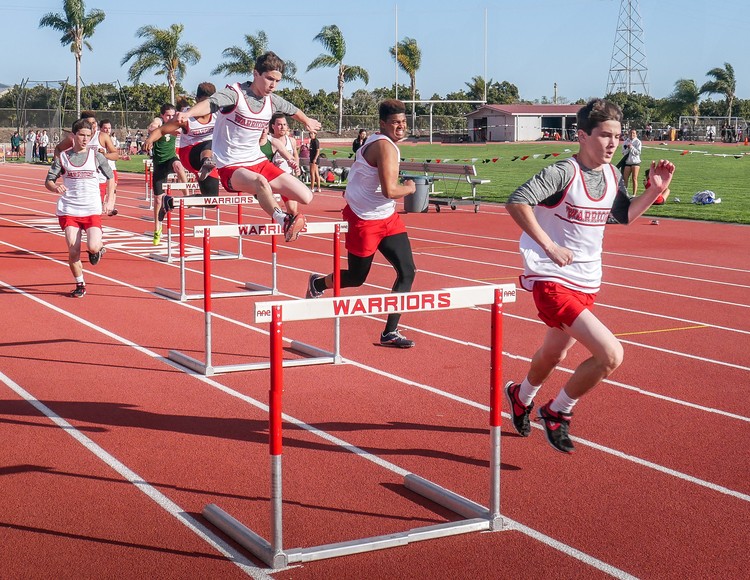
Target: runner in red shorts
x,y
243,112
563,211
371,193
80,207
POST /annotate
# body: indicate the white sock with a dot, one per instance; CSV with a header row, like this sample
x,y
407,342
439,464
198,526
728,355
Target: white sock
x,y
278,216
563,403
79,279
527,392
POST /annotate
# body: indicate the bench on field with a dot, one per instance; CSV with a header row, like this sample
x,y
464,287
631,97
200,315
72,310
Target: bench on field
x,y
446,172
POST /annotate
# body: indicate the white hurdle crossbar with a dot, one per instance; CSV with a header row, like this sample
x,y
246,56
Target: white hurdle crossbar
x,y
479,517
314,354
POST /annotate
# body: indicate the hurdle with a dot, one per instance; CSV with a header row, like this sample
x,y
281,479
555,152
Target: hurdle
x,y
477,517
202,202
314,355
224,231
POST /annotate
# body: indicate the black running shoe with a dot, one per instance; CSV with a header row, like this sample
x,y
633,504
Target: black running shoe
x,y
396,340
80,290
167,204
518,411
94,257
311,291
113,213
556,427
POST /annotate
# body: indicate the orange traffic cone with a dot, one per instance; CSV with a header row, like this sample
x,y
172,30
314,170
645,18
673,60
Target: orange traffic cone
x,y
746,141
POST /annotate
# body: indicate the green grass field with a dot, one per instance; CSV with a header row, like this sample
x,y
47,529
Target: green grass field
x,y
714,167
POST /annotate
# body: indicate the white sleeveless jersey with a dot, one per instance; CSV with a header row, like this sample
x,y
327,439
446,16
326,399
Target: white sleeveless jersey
x,y
197,132
363,192
279,161
95,145
82,196
577,223
237,133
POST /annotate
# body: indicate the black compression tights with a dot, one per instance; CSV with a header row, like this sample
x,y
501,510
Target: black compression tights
x,y
397,250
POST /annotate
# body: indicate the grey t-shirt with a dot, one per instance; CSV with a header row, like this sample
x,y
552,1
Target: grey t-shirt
x,y
547,187
227,98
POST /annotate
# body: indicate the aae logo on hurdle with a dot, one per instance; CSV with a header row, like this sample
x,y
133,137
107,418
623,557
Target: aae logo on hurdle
x,y
336,307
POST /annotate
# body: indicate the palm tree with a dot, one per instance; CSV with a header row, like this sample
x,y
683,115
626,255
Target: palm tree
x,y
240,61
724,83
76,26
333,41
162,51
409,59
684,99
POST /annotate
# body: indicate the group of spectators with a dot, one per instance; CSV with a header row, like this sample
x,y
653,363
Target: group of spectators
x,y
33,146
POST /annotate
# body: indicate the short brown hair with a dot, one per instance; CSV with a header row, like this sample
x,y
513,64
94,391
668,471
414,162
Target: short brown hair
x,y
269,61
390,107
596,112
82,123
88,115
204,91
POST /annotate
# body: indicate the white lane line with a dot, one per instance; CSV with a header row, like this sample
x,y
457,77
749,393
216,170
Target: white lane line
x,y
177,512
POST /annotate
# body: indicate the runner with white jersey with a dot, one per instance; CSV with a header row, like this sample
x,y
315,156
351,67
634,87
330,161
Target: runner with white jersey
x,y
370,211
285,154
80,207
243,111
105,128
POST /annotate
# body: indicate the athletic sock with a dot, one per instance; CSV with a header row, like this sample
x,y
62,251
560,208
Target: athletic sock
x,y
79,279
278,216
527,392
563,403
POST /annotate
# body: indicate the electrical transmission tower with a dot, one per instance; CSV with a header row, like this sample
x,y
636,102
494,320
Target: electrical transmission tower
x,y
628,71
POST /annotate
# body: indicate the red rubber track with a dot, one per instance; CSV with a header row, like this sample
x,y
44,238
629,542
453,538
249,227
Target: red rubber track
x,y
113,484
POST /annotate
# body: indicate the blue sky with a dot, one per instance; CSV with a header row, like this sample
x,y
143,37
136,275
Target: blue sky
x,y
530,43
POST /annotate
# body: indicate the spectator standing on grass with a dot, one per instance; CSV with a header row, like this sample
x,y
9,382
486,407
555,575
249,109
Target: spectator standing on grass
x,y
633,161
314,160
15,144
29,152
360,140
562,212
370,212
43,144
80,208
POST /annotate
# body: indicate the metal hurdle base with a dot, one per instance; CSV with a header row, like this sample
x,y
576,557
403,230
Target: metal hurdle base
x,y
478,520
316,356
185,297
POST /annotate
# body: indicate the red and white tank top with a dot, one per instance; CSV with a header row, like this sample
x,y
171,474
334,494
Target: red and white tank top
x,y
237,133
95,144
197,131
363,192
577,223
82,196
279,161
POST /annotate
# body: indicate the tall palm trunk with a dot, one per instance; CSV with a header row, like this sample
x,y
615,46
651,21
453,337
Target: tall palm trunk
x,y
413,105
341,99
78,85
